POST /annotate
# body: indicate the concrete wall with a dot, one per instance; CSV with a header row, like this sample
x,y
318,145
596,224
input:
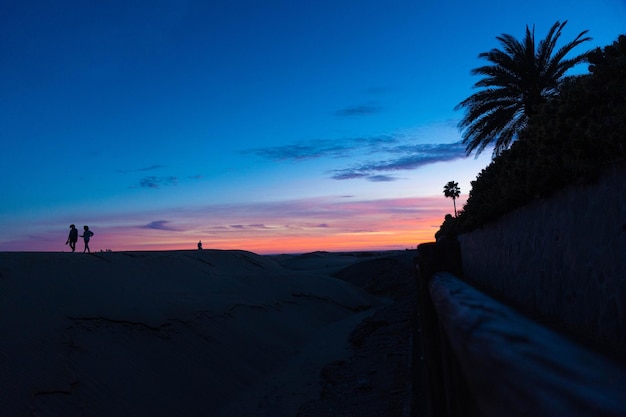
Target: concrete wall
x,y
562,259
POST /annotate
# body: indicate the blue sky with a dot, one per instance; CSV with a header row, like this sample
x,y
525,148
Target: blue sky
x,y
271,126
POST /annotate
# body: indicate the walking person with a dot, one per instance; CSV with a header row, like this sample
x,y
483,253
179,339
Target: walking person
x,y
72,238
87,234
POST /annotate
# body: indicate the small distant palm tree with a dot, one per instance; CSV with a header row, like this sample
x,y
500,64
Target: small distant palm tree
x,y
452,190
519,78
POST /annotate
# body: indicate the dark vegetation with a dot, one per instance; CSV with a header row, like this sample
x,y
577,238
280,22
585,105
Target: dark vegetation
x,y
452,190
569,139
517,79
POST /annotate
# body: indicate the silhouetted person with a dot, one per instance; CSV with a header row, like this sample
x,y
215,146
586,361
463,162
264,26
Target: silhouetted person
x,y
73,237
86,235
200,245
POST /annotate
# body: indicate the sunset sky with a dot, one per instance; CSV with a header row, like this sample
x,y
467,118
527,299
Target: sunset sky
x,y
276,126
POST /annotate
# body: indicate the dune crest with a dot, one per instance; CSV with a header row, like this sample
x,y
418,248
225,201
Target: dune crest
x,y
165,333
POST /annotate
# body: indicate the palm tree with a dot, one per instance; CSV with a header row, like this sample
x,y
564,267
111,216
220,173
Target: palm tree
x,y
519,78
452,190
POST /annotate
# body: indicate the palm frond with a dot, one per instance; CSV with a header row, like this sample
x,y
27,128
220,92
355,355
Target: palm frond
x,y
520,75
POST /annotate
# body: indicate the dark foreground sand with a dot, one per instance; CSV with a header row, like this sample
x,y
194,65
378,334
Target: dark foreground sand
x,y
205,333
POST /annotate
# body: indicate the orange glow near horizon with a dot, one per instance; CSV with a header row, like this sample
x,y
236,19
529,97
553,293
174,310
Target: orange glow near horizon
x,y
324,224
396,235
391,240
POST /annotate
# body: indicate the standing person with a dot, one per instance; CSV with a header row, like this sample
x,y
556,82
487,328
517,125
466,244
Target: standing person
x,y
73,237
200,245
86,235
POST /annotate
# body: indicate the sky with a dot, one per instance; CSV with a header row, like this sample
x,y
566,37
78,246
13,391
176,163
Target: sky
x,y
278,126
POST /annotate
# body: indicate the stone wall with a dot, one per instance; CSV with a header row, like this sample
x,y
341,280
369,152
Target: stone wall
x,y
561,259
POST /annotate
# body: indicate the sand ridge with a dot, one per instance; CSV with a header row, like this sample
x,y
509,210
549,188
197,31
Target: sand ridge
x,y
171,333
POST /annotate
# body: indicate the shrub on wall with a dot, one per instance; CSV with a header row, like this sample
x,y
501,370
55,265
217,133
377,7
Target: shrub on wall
x,y
570,140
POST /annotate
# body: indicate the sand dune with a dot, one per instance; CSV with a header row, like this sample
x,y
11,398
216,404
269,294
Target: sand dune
x,y
181,333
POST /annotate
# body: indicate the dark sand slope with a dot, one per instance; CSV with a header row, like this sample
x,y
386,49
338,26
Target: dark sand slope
x,y
183,333
377,378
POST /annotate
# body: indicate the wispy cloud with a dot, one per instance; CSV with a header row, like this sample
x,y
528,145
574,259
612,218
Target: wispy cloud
x,y
360,110
377,155
159,225
381,178
257,226
299,152
153,181
410,157
157,182
341,148
149,168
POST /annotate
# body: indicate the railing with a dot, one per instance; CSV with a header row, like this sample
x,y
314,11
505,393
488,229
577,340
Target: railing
x,y
484,359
